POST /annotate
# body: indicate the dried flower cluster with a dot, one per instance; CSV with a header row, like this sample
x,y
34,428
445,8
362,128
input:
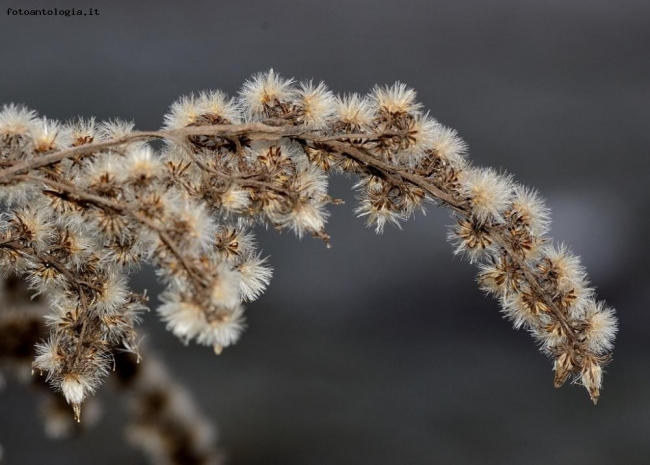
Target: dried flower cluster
x,y
89,202
164,421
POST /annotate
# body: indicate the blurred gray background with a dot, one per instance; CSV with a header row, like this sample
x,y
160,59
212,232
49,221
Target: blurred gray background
x,y
382,350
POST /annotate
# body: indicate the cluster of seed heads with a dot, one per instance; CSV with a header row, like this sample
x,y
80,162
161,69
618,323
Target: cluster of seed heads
x,y
89,202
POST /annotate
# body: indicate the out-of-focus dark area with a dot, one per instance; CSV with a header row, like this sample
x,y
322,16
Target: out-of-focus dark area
x,y
382,350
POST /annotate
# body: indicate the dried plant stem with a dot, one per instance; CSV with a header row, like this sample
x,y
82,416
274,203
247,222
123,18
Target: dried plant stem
x,y
254,131
459,207
261,131
99,201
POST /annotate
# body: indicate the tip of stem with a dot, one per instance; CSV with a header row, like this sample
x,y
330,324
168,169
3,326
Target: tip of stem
x,y
323,236
217,349
77,412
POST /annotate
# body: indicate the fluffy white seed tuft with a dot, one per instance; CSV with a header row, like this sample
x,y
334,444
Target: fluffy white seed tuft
x,y
449,146
255,276
353,113
531,207
263,91
396,99
81,131
48,136
188,320
224,290
317,105
16,120
213,107
113,294
142,166
487,191
566,267
235,199
601,329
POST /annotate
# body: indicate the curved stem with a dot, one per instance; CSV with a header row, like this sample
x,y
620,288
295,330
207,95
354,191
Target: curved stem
x,y
259,131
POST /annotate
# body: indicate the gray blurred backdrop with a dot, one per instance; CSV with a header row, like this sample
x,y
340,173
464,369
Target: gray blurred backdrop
x,y
382,350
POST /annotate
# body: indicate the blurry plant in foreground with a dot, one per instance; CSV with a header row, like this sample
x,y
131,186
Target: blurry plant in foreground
x,y
89,202
163,420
